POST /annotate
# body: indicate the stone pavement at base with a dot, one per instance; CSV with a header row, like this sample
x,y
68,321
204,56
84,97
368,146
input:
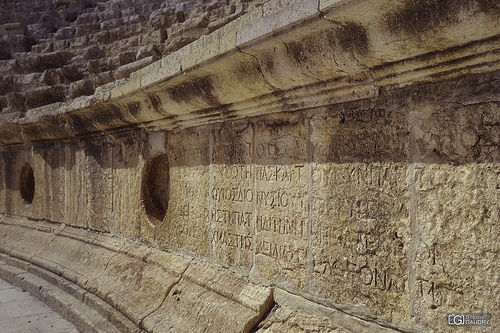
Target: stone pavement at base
x,y
22,313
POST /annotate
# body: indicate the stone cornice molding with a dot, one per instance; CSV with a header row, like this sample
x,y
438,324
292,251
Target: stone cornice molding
x,y
280,58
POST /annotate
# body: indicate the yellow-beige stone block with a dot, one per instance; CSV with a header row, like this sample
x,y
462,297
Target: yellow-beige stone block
x,y
232,231
187,301
359,211
185,225
126,187
281,199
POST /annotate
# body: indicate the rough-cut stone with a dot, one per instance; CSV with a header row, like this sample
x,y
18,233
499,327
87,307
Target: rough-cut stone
x,y
188,155
292,313
360,207
281,197
232,196
306,166
90,35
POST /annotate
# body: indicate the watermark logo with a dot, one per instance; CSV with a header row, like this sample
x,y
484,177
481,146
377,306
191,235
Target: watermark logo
x,y
468,319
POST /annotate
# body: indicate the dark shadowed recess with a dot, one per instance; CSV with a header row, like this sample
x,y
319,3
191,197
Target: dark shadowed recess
x,y
155,188
27,183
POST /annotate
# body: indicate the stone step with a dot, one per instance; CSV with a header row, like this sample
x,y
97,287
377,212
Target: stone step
x,y
94,41
21,312
107,39
45,96
39,63
86,312
156,290
51,77
53,84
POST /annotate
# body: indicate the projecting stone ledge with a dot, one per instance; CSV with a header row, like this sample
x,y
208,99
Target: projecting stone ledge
x,y
328,165
281,58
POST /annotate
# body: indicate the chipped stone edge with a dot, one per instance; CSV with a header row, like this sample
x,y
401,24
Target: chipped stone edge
x,y
253,296
191,62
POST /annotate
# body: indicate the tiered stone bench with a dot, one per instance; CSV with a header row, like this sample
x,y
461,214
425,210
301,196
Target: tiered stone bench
x,y
108,284
307,166
62,50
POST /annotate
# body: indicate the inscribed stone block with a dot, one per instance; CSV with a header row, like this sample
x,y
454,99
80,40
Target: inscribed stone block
x,y
457,183
281,199
232,195
99,186
127,179
186,220
359,211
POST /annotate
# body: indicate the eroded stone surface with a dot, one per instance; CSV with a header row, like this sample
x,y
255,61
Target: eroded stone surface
x,y
232,195
186,222
58,51
281,205
292,313
360,214
344,156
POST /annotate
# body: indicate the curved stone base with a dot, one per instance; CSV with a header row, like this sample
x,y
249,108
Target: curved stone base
x,y
103,283
84,310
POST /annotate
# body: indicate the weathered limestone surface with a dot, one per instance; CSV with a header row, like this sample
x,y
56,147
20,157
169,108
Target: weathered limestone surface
x,y
145,286
308,166
56,51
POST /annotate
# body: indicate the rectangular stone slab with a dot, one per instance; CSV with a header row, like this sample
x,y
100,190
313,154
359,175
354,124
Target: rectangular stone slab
x,y
190,307
359,212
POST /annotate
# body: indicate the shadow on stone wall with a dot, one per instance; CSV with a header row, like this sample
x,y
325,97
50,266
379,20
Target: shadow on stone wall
x,y
375,197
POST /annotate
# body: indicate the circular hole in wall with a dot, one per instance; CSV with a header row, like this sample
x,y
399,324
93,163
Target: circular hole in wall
x,y
27,183
155,188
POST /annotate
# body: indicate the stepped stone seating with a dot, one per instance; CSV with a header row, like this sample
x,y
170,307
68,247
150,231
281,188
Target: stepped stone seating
x,y
253,166
77,46
123,285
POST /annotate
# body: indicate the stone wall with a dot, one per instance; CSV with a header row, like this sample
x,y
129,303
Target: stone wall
x,y
327,153
56,51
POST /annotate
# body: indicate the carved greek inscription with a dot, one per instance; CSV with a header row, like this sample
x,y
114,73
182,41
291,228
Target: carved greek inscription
x,y
279,198
238,218
281,221
363,239
232,239
192,232
357,217
233,150
189,190
426,288
189,212
286,253
188,154
282,225
279,148
365,208
272,199
239,172
274,149
360,174
267,173
375,276
280,173
426,285
232,194
427,254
